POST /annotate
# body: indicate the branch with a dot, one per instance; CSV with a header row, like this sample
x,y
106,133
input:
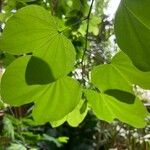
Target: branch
x,y
67,28
1,4
86,39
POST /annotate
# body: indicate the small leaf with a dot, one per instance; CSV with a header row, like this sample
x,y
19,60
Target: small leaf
x,y
108,108
57,123
75,117
132,29
63,139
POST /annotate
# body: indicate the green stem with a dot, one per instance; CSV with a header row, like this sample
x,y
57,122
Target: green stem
x,y
86,39
67,28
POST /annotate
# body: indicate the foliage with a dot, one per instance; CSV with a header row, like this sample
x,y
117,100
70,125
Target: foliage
x,y
58,61
131,19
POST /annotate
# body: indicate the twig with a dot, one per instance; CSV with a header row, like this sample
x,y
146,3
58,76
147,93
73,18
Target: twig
x,y
54,5
86,39
67,28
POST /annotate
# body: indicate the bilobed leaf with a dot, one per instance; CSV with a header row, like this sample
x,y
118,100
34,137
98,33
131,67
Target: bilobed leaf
x,y
40,78
120,74
108,108
59,54
57,100
14,88
75,117
132,28
29,79
33,29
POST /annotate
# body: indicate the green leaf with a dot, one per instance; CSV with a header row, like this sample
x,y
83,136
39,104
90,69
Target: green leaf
x,y
33,29
31,20
57,123
1,104
120,74
52,139
8,128
29,79
14,87
57,100
75,117
7,59
126,109
132,28
60,57
93,26
63,139
16,146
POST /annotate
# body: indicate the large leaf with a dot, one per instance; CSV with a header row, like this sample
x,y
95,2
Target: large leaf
x,y
126,109
119,74
14,87
132,28
27,29
33,29
29,79
57,100
75,117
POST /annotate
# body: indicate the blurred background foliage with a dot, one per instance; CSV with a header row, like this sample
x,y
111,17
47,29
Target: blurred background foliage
x,y
17,129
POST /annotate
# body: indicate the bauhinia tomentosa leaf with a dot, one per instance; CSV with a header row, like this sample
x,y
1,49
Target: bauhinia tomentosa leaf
x,y
57,100
33,29
120,74
53,99
132,29
108,108
14,88
75,117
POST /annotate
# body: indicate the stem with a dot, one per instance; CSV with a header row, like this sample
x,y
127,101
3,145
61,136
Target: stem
x,y
86,39
1,6
67,28
54,5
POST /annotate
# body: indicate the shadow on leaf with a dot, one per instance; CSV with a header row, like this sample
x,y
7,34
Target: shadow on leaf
x,y
38,72
121,96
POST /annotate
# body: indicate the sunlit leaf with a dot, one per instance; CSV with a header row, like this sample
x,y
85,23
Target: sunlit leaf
x,y
120,74
132,28
14,88
29,79
57,100
33,29
126,109
75,117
